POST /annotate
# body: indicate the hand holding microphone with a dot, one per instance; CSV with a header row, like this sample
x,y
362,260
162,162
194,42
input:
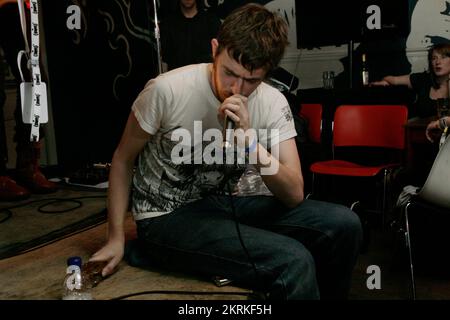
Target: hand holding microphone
x,y
234,113
228,127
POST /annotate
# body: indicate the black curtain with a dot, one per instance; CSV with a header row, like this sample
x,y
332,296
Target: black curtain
x,y
95,73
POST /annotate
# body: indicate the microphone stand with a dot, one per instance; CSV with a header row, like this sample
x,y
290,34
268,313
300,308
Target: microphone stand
x,y
157,37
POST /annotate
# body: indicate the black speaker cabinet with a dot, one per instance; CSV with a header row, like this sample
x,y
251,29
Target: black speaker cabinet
x,y
394,19
330,22
95,72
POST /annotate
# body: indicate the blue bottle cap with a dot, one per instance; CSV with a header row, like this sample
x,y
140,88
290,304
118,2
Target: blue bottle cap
x,y
74,261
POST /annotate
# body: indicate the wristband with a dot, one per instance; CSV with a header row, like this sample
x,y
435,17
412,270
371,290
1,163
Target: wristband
x,y
443,137
443,123
252,146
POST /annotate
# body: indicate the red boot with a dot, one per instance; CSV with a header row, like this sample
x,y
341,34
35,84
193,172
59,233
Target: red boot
x,y
11,191
28,173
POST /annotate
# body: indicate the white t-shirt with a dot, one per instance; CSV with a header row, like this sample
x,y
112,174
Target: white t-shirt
x,y
182,101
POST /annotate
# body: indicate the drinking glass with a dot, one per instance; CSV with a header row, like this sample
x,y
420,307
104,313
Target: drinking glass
x,y
328,79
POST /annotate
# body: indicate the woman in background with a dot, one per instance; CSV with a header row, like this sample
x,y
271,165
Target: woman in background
x,y
431,86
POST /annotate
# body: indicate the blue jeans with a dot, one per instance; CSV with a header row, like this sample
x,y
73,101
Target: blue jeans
x,y
308,252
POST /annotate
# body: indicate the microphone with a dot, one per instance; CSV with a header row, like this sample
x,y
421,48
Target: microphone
x,y
227,133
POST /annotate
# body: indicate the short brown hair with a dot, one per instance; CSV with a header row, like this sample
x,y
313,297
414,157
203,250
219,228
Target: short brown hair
x,y
254,36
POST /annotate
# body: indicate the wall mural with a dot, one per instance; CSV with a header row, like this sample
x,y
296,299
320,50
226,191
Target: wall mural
x,y
119,38
117,22
423,33
430,19
430,23
96,71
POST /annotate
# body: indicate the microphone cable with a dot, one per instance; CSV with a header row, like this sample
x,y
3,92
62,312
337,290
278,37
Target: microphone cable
x,y
238,229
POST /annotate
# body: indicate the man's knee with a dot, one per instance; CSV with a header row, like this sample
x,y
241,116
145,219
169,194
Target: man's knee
x,y
346,224
296,275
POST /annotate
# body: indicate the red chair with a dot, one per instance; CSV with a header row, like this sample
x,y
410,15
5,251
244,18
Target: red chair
x,y
313,113
377,126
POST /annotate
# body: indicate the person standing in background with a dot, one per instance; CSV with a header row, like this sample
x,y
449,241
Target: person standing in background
x,y
186,34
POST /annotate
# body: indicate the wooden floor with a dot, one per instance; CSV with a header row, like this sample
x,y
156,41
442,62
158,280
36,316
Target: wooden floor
x,y
38,274
387,251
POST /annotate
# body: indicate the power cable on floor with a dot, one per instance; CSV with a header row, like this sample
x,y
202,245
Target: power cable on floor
x,y
252,295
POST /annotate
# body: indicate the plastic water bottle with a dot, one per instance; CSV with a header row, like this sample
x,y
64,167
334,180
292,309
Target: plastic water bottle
x,y
73,286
